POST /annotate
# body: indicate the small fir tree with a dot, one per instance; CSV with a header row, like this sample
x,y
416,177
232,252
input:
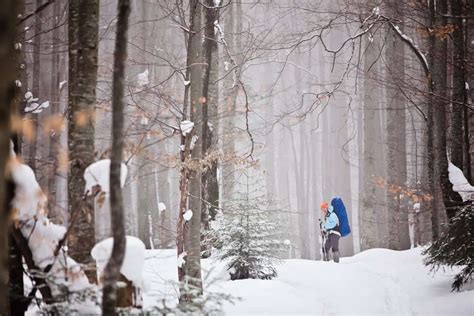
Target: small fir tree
x,y
455,248
248,238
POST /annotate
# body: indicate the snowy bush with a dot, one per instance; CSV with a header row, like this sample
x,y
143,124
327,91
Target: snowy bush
x,y
455,248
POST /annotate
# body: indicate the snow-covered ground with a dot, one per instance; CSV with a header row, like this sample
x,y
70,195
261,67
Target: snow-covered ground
x,y
374,282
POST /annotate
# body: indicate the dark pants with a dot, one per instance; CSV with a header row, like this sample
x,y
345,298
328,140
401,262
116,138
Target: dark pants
x,y
332,242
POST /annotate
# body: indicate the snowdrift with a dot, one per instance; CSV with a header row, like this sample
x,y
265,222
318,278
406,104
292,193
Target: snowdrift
x,y
374,282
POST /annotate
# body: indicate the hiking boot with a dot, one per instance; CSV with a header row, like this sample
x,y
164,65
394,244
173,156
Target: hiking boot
x,y
335,254
326,257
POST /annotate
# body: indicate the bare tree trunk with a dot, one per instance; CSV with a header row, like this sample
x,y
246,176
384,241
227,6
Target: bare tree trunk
x,y
112,270
188,232
209,112
7,93
32,146
233,26
192,233
54,112
447,204
83,45
459,100
469,68
372,195
395,133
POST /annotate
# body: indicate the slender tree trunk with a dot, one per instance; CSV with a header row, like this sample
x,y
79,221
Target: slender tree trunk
x,y
192,233
458,99
112,270
7,93
188,232
32,152
83,45
469,68
54,112
233,26
209,111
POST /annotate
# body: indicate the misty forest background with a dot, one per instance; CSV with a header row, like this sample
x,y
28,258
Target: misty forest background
x,y
293,103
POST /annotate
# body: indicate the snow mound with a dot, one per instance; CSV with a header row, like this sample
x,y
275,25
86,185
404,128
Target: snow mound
x,y
132,264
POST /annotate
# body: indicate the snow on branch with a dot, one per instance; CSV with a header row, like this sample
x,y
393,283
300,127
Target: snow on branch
x,y
460,183
186,127
29,206
412,46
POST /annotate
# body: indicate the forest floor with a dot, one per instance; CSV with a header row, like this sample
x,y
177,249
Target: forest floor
x,y
374,282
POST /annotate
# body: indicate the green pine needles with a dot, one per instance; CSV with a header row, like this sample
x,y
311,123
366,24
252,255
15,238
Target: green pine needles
x,y
455,248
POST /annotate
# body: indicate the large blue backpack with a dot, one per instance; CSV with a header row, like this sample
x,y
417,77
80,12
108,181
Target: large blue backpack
x,y
340,210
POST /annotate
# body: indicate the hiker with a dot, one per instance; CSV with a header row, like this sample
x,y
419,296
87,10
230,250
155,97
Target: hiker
x,y
331,232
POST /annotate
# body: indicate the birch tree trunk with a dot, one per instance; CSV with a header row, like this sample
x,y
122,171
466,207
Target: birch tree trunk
x,y
112,269
83,45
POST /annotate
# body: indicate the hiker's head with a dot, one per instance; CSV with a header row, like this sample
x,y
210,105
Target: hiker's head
x,y
324,206
330,208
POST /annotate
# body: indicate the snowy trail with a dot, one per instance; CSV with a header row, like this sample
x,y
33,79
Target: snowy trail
x,y
375,282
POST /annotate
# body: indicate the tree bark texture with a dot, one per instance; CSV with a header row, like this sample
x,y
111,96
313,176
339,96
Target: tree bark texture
x,y
373,199
395,135
192,232
83,50
7,93
112,270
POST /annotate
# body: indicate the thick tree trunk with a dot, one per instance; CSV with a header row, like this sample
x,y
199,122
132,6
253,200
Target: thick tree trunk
x,y
7,93
372,194
112,270
83,45
233,26
440,103
395,133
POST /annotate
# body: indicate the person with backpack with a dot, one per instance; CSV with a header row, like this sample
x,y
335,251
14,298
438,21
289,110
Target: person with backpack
x,y
331,231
